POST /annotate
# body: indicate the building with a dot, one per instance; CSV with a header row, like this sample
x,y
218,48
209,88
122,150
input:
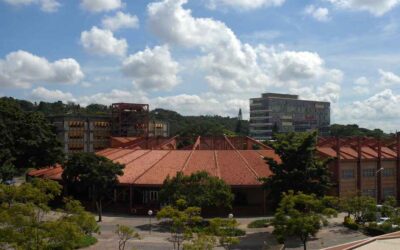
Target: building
x,y
390,241
283,113
148,162
79,133
363,166
91,133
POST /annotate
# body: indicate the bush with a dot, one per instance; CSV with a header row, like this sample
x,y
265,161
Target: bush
x,y
86,241
350,223
373,229
259,223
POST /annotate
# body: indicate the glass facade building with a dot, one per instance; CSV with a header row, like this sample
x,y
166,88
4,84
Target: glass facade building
x,y
282,113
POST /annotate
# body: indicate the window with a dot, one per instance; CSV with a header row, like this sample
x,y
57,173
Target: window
x,y
369,172
348,174
388,191
369,192
388,172
150,196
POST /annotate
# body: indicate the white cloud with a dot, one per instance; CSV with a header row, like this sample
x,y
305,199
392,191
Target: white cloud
x,y
244,4
45,5
22,69
329,92
114,96
361,90
318,13
102,42
379,111
43,94
375,7
101,5
119,21
362,81
388,78
152,69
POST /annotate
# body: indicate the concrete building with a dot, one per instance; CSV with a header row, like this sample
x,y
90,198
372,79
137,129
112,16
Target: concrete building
x,y
82,133
283,113
158,128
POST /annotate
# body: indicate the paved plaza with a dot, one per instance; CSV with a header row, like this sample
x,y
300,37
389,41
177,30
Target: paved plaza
x,y
255,239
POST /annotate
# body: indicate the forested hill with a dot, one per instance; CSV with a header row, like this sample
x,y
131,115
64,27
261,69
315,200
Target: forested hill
x,y
355,130
179,124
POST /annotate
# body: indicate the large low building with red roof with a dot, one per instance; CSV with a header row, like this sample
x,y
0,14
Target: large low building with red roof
x,y
360,166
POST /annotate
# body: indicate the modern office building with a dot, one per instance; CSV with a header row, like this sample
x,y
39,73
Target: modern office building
x,y
282,113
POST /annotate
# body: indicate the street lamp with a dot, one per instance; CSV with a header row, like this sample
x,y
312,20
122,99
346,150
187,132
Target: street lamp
x,y
150,213
230,216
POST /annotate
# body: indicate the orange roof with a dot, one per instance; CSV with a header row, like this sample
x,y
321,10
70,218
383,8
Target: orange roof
x,y
151,167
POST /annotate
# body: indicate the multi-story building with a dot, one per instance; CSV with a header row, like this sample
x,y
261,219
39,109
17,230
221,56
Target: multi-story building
x,y
282,113
82,133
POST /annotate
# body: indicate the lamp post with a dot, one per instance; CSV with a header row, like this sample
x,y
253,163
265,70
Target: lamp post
x,y
230,216
150,213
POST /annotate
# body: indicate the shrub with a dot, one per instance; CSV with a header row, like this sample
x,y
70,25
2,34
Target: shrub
x,y
374,229
350,223
259,223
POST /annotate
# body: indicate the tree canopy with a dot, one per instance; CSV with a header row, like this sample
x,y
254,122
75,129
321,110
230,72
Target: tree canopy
x,y
300,215
92,171
24,223
300,169
198,189
355,130
27,139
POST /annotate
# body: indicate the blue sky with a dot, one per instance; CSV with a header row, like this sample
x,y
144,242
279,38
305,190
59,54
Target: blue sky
x,y
206,56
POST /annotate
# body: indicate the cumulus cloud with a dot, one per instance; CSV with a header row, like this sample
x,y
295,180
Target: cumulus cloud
x,y
114,96
119,21
375,7
318,13
102,42
362,81
229,64
380,110
43,94
101,5
22,69
388,78
45,5
152,69
244,4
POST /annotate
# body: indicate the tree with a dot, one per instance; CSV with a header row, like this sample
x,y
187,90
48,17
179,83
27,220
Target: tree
x,y
24,224
199,189
300,169
300,215
125,233
92,171
27,140
183,219
362,208
225,229
201,242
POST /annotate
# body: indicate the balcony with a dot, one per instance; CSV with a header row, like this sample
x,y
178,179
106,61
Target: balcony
x,y
260,124
260,110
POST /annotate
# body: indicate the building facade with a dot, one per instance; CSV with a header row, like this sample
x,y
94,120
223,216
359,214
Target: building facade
x,y
282,113
82,133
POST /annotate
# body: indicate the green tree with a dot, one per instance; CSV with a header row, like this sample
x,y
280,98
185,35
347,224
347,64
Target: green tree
x,y
362,208
300,215
300,169
183,220
92,171
198,189
125,233
201,242
27,139
225,229
24,223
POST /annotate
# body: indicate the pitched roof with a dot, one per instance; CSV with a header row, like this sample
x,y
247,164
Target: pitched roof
x,y
151,167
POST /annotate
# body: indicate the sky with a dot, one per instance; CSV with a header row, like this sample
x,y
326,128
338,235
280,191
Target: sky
x,y
206,56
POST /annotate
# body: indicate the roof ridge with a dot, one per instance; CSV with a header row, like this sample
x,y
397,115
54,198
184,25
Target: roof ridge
x,y
130,151
148,151
247,164
216,164
187,160
148,169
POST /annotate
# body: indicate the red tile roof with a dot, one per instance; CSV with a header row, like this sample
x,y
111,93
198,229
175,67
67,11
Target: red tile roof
x,y
151,167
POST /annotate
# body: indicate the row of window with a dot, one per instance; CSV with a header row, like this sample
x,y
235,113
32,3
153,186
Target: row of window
x,y
386,191
368,172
